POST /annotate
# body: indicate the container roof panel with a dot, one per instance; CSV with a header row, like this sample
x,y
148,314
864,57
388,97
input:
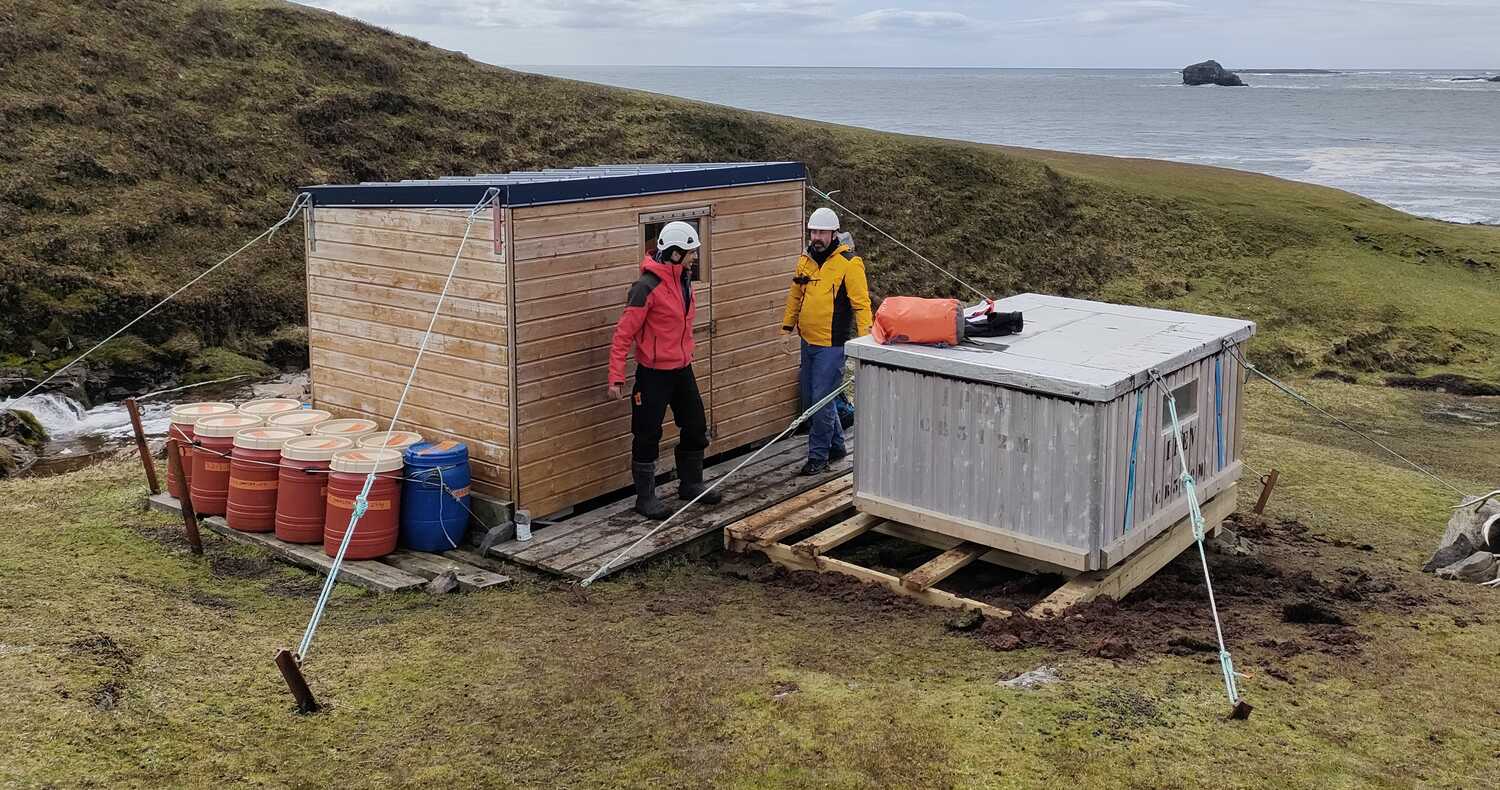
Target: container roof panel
x,y
1071,347
532,188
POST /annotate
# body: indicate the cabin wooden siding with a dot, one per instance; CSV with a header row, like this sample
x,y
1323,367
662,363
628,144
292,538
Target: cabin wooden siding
x,y
573,265
373,279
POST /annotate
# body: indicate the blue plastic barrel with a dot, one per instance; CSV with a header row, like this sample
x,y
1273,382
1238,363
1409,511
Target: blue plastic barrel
x,y
435,498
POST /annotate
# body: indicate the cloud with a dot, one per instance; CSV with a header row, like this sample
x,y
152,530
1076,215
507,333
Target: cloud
x,y
1094,17
661,16
900,20
1129,12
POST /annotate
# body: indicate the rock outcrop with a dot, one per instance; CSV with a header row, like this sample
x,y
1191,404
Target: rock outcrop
x,y
21,441
1209,72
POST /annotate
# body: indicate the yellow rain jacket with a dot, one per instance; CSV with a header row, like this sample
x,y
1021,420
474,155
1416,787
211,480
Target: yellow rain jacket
x,y
825,300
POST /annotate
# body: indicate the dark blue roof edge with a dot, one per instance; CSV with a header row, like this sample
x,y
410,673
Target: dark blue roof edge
x,y
465,195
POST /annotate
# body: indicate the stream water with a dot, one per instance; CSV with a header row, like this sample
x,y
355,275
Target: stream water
x,y
77,435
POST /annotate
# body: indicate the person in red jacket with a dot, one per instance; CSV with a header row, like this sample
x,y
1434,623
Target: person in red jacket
x,y
658,323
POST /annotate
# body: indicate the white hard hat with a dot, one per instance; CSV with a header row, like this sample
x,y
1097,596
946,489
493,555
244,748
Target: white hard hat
x,y
678,234
823,219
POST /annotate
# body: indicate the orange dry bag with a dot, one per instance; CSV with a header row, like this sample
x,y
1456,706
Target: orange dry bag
x,y
911,319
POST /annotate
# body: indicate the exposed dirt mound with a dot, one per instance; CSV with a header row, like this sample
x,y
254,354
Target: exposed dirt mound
x,y
1451,383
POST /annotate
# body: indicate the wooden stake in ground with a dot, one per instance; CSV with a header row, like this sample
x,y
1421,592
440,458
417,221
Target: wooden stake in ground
x,y
1267,483
140,444
189,518
291,672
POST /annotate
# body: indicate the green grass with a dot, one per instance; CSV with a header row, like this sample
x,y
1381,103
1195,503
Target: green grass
x,y
145,140
669,676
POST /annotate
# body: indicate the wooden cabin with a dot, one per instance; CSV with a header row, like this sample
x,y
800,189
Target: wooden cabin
x,y
518,361
1053,444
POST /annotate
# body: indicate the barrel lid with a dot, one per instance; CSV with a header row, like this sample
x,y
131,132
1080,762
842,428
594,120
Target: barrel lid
x,y
437,453
391,440
266,407
314,448
264,438
353,428
191,413
303,419
225,425
364,460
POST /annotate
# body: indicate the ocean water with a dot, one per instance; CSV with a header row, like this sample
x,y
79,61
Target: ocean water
x,y
1414,140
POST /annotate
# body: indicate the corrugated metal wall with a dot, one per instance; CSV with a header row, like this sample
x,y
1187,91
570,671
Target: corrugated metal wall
x,y
1038,466
1157,475
1009,459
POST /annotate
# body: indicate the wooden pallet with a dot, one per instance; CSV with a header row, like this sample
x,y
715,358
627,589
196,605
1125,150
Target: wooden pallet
x,y
575,547
765,532
402,570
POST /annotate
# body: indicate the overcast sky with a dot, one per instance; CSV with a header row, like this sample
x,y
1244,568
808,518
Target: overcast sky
x,y
1087,33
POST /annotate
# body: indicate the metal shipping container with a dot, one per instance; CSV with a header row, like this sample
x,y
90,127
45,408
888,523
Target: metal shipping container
x,y
1025,443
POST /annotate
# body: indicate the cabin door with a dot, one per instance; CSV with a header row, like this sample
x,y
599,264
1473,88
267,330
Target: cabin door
x,y
700,218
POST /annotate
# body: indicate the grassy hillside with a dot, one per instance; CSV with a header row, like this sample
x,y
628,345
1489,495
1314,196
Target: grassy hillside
x,y
141,140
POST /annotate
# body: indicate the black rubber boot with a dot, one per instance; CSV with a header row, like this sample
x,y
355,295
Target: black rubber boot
x,y
646,502
690,479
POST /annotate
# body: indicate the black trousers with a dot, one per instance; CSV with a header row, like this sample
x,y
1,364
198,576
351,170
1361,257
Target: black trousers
x,y
654,391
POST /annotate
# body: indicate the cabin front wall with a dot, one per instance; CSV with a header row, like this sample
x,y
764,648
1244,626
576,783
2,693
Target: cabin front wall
x,y
373,279
573,265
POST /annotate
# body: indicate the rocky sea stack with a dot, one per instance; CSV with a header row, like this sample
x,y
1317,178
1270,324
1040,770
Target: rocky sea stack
x,y
1209,72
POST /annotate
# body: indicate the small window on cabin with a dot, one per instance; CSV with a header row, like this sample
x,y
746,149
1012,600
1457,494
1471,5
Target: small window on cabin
x,y
651,225
1186,398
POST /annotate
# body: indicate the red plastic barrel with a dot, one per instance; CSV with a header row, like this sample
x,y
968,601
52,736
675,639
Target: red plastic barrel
x,y
183,418
375,534
390,440
266,408
253,474
303,420
209,484
302,496
353,429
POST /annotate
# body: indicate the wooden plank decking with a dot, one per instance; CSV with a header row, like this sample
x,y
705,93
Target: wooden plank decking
x,y
578,546
403,570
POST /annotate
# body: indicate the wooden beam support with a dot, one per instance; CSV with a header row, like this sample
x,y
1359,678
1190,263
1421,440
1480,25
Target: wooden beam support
x,y
783,555
750,529
140,446
1116,582
185,505
836,535
942,566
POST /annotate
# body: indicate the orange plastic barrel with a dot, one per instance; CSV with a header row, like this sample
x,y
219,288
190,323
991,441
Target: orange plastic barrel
x,y
253,467
214,437
266,408
375,534
391,440
303,420
302,497
181,431
352,430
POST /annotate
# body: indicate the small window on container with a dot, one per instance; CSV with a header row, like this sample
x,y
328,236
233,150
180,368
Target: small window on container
x,y
651,230
1186,398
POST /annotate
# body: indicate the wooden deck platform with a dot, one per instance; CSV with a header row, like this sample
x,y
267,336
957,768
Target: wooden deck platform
x,y
403,570
576,547
766,533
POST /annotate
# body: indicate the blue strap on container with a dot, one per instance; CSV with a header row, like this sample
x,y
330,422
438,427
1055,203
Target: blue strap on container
x,y
1135,440
1219,406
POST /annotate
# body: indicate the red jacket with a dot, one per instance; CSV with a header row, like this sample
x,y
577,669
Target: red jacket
x,y
658,321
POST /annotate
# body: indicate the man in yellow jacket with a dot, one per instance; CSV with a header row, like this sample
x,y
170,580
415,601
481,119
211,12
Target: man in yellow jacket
x,y
828,303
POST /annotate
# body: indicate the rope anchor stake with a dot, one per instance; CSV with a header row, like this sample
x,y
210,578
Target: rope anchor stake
x,y
1240,708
